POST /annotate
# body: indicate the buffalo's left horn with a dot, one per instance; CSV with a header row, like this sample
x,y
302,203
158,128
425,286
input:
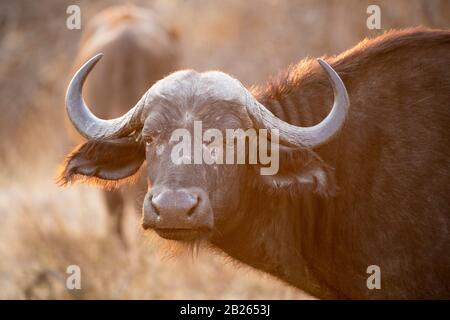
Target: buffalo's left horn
x,y
87,124
314,136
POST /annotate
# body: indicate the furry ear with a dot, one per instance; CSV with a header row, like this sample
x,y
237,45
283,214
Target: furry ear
x,y
301,170
103,162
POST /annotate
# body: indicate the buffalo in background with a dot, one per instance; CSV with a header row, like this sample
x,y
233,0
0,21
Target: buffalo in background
x,y
139,50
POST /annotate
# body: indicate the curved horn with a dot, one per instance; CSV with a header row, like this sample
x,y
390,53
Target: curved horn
x,y
87,124
308,136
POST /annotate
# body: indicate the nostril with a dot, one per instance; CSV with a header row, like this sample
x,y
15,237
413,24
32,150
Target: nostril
x,y
194,206
154,206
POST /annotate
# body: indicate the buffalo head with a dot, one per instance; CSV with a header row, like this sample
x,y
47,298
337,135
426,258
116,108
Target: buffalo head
x,y
189,200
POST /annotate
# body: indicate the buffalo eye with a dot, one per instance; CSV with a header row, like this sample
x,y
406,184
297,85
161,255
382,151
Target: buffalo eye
x,y
149,140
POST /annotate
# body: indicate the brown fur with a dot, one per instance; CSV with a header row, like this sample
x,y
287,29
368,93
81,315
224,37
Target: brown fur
x,y
392,169
306,71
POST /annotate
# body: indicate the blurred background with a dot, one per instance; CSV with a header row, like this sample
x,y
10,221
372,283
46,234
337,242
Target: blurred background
x,y
45,228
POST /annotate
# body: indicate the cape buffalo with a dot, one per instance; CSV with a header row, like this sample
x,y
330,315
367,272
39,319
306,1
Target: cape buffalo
x,y
139,50
362,190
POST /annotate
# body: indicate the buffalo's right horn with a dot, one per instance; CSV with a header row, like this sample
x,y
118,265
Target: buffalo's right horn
x,y
314,136
87,124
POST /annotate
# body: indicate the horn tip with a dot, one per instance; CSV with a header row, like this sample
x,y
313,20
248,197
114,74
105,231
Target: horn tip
x,y
322,62
97,57
93,61
89,65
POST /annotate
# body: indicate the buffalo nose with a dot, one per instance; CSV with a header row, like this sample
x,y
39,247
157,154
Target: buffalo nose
x,y
174,203
179,209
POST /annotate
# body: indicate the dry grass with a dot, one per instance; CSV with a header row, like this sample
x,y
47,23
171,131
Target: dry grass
x,y
43,228
44,236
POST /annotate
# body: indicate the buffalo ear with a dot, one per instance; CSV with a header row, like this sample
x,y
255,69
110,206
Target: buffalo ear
x,y
104,162
301,171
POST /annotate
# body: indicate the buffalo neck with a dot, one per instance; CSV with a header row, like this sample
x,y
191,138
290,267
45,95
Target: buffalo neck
x,y
285,237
